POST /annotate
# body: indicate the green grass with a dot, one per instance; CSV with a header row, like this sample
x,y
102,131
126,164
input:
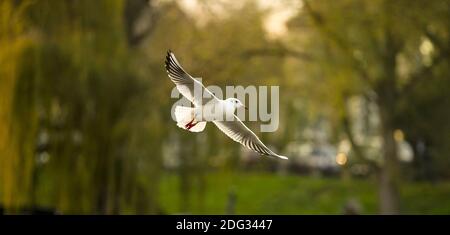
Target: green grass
x,y
258,193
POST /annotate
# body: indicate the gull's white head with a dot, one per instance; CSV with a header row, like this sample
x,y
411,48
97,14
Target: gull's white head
x,y
235,103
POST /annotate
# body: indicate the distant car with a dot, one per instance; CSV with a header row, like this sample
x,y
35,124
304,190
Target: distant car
x,y
311,157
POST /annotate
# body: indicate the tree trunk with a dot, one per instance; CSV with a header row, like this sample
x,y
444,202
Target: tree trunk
x,y
388,173
387,99
388,191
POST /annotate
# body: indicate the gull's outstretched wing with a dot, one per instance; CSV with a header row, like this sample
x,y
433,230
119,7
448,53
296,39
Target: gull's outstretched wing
x,y
240,133
186,84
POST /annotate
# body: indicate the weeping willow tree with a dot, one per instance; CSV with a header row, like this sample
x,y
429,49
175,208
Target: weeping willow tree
x,y
72,125
15,166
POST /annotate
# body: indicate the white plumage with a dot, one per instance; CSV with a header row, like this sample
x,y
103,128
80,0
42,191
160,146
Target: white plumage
x,y
195,118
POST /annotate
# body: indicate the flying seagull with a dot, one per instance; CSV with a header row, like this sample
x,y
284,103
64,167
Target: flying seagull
x,y
221,112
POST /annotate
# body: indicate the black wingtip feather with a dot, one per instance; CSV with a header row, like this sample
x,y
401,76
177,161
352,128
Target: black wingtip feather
x,y
173,68
168,59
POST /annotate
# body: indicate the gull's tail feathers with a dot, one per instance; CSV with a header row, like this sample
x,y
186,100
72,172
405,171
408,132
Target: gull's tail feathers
x,y
185,119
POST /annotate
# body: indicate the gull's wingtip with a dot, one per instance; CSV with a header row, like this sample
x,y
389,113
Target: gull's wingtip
x,y
282,157
274,155
169,57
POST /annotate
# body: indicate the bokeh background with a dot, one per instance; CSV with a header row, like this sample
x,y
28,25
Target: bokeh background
x,y
85,103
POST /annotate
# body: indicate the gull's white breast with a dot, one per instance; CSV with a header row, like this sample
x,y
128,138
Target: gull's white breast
x,y
215,110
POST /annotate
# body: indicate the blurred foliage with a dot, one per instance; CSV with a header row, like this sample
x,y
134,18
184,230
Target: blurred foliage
x,y
389,56
75,100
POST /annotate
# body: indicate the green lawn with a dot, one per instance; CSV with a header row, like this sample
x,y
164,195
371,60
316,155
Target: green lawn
x,y
258,193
